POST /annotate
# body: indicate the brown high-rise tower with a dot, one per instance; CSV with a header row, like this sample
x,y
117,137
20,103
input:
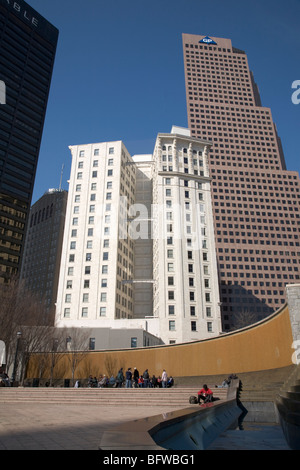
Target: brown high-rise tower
x,y
255,199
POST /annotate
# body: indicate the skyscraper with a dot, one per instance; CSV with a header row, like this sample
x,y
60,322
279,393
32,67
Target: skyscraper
x,y
255,199
138,247
28,45
43,245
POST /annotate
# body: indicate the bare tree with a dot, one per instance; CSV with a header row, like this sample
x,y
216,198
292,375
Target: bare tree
x,y
243,318
77,346
110,365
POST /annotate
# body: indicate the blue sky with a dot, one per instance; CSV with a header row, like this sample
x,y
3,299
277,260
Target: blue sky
x,y
119,75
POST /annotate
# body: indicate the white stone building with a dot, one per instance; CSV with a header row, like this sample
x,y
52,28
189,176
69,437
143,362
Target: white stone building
x,y
139,248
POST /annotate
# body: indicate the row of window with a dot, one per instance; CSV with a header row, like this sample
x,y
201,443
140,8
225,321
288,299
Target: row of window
x,y
172,326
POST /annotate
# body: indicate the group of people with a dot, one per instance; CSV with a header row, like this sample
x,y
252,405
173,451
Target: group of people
x,y
131,379
135,379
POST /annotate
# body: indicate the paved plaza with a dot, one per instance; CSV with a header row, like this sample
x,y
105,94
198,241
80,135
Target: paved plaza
x,y
36,426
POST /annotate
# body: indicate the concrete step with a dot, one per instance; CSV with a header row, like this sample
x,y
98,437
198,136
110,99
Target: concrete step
x,y
293,395
101,396
291,405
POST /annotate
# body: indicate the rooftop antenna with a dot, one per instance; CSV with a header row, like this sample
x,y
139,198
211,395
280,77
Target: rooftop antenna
x,y
61,174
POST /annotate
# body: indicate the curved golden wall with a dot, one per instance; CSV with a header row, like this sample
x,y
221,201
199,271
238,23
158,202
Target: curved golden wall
x,y
265,345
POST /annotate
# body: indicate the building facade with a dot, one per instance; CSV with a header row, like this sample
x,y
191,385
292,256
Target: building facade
x,y
28,45
122,246
43,246
186,294
97,257
255,199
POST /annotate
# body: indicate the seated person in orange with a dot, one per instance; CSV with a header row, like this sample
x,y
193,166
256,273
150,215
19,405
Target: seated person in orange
x,y
205,394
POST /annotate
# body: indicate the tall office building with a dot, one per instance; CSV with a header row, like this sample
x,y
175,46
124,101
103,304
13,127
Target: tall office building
x,y
138,246
28,44
255,199
97,255
186,295
43,245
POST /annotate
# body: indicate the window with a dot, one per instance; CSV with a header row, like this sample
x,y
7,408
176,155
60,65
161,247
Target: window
x,y
108,196
104,283
171,309
105,256
192,310
68,298
87,270
86,283
171,295
193,326
171,325
85,298
96,152
111,150
92,344
88,257
69,284
66,313
70,271
110,162
209,326
170,281
105,269
102,311
133,342
72,245
72,258
103,297
171,267
84,312
81,153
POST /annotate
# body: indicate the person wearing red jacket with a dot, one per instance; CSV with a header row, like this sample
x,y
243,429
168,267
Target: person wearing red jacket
x,y
205,394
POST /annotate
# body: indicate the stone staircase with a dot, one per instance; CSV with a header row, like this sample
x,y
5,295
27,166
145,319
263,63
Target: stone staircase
x,y
177,396
288,407
260,386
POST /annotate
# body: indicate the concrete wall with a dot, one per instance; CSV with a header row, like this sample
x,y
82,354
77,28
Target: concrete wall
x,y
265,345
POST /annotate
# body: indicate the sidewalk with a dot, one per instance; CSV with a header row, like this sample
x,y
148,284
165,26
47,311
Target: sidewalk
x,y
37,426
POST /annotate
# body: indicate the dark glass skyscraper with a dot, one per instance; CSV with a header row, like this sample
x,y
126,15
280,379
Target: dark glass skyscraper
x,y
27,51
